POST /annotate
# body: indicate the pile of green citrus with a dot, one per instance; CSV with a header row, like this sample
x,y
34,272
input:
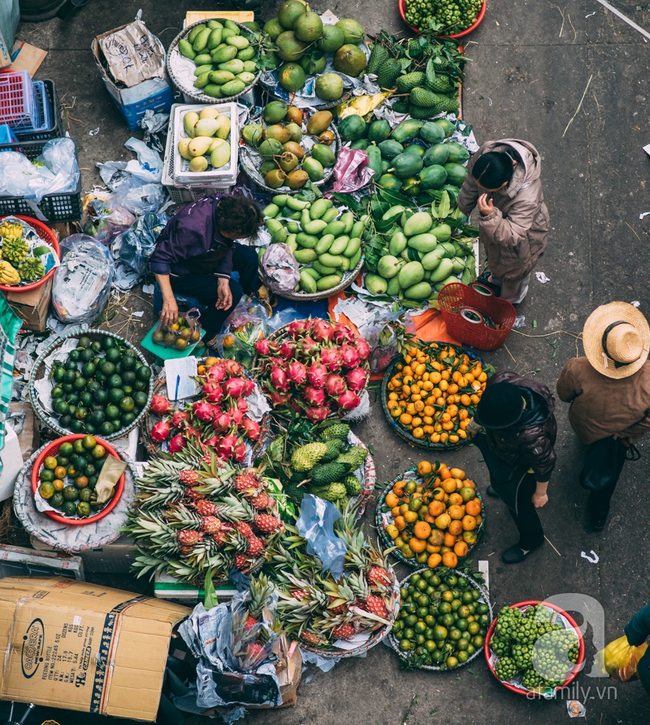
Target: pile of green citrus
x,y
68,480
100,388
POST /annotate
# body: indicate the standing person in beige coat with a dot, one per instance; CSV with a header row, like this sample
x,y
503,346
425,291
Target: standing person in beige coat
x,y
609,392
503,180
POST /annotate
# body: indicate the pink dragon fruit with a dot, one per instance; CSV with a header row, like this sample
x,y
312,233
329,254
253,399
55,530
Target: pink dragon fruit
x,y
203,411
233,367
249,387
350,357
263,347
191,432
348,401
287,349
237,416
335,386
242,405
316,415
251,428
239,453
180,418
314,396
309,346
161,431
356,379
279,379
279,400
363,348
176,444
216,372
209,387
213,442
222,422
322,331
297,373
234,387
215,397
331,358
160,405
227,446
317,375
296,328
342,333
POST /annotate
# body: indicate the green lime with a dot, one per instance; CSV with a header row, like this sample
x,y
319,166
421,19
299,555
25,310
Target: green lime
x,y
50,462
108,343
67,387
420,627
96,417
462,644
430,645
88,443
74,355
462,624
86,355
86,399
114,381
452,662
70,367
113,355
140,385
57,392
144,373
478,641
79,462
61,407
84,342
71,471
88,370
81,413
46,489
58,375
128,362
81,482
455,634
140,399
89,427
127,404
463,656
99,452
100,397
70,493
69,508
126,419
46,475
57,500
65,421
106,428
107,368
112,412
115,396
96,346
72,399
128,377
79,446
85,494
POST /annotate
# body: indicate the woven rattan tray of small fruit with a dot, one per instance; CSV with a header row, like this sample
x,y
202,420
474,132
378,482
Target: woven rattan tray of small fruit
x,y
534,647
65,475
430,394
432,515
91,381
443,619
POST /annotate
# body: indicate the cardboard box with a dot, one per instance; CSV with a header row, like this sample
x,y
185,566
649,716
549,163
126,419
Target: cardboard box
x,y
155,94
5,53
84,647
32,307
27,57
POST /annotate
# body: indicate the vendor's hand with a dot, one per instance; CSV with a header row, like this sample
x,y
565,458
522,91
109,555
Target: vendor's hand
x,y
224,295
169,312
539,500
472,429
485,205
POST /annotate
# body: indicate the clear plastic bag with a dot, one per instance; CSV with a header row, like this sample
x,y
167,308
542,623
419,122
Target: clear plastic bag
x,y
384,337
316,525
279,269
60,156
137,244
185,331
104,218
247,324
82,282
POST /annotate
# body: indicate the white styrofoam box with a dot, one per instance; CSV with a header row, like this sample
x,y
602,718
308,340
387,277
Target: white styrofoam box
x,y
227,173
12,462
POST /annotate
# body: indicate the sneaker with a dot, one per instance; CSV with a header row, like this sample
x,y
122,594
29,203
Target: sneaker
x,y
515,554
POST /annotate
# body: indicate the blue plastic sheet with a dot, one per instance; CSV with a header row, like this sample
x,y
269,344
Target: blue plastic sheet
x,y
316,525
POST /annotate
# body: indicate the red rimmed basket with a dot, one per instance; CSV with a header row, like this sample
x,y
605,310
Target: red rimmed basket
x,y
48,236
52,450
576,668
401,4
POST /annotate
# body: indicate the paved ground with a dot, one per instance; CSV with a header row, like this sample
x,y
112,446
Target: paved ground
x,y
533,61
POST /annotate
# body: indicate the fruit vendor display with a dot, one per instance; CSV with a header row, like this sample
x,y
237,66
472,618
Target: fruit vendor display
x,y
318,610
100,387
20,261
321,460
433,515
432,393
218,418
68,479
228,56
179,335
325,240
194,513
292,147
533,648
442,16
314,367
443,619
306,46
206,145
417,256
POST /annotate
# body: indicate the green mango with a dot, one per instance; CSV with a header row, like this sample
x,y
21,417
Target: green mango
x,y
431,260
393,286
185,48
410,274
305,256
398,243
324,244
319,207
323,154
353,246
232,88
339,246
330,260
191,37
201,40
203,59
223,55
336,228
330,215
325,271
212,90
348,219
375,284
423,242
419,223
219,77
326,283
307,240
442,233
442,271
419,291
215,39
307,282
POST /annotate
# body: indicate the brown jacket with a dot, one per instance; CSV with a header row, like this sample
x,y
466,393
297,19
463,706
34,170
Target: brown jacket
x,y
529,445
515,234
601,406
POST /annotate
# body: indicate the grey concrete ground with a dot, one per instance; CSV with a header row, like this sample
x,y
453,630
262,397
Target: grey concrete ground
x,y
532,61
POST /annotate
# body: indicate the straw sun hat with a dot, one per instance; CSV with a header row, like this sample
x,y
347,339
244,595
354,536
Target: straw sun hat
x,y
616,338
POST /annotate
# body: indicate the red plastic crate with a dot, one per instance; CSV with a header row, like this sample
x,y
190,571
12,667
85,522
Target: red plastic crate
x,y
17,103
452,297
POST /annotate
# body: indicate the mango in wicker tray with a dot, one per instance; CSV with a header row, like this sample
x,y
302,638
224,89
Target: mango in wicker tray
x,y
435,518
434,392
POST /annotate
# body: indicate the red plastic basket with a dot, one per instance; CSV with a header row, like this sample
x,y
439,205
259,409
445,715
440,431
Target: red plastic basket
x,y
49,237
17,102
479,18
454,296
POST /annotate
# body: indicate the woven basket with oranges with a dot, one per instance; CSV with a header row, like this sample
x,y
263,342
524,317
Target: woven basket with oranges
x,y
433,515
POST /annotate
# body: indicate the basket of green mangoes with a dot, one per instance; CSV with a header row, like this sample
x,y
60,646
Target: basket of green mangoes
x,y
92,382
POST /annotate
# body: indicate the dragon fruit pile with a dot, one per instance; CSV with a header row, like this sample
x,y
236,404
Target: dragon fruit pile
x,y
219,418
318,368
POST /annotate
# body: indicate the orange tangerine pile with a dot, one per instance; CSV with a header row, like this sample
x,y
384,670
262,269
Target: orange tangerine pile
x,y
435,518
434,392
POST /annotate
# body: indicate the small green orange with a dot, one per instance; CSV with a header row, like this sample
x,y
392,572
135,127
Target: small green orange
x,y
46,489
50,462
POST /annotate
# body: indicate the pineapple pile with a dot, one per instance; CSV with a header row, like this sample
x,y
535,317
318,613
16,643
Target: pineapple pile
x,y
16,265
194,512
318,610
324,466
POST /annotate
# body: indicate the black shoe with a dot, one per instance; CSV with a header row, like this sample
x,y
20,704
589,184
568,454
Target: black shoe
x,y
484,279
597,521
515,554
491,492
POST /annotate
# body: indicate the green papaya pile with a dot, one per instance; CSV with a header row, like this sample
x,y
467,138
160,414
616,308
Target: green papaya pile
x,y
225,54
324,239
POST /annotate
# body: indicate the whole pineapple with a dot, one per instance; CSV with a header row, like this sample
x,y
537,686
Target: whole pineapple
x,y
30,269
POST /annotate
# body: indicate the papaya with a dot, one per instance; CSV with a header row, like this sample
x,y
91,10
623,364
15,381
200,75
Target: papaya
x,y
352,128
406,165
375,284
410,274
419,291
419,223
432,177
455,174
407,130
378,131
388,181
447,127
437,154
415,148
359,145
390,149
424,243
432,132
374,159
457,154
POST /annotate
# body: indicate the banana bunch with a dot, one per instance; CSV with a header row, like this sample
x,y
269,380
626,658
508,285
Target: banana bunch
x,y
8,275
31,269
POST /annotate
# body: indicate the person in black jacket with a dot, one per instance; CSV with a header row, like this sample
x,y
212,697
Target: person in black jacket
x,y
518,448
637,631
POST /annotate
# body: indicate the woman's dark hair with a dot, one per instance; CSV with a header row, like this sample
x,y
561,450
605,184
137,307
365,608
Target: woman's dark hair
x,y
237,216
494,169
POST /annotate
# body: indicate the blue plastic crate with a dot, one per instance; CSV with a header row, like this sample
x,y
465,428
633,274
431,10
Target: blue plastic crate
x,y
6,135
159,103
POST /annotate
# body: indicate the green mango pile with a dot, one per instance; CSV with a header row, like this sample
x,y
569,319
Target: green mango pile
x,y
325,240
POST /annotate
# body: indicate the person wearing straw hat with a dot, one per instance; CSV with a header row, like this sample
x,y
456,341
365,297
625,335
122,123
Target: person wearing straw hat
x,y
516,414
609,393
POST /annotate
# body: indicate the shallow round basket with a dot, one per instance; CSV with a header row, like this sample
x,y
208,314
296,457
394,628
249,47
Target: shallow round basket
x,y
485,599
48,236
334,653
315,102
51,450
173,53
348,279
423,442
491,658
38,371
401,4
387,541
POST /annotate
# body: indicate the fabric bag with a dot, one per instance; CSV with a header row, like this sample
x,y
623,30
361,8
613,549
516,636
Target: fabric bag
x,y
604,462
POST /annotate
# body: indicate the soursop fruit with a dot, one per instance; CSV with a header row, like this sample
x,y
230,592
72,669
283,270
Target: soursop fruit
x,y
352,485
378,56
422,113
354,457
334,448
331,492
423,98
409,81
388,72
401,106
440,84
306,457
449,105
329,473
337,430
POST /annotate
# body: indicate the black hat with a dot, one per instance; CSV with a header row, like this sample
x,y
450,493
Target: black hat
x,y
501,406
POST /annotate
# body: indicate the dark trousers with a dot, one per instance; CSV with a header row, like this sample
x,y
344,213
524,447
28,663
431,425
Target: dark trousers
x,y
605,459
204,288
515,488
644,671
